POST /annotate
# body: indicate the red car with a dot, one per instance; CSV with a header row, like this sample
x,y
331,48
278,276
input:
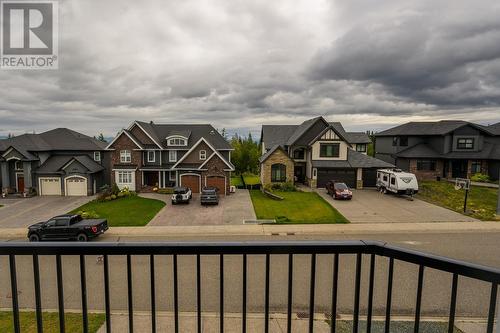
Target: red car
x,y
339,190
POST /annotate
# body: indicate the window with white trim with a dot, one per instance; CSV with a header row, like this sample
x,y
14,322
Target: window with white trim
x,y
203,155
151,156
172,155
97,156
18,165
125,177
125,156
177,142
172,176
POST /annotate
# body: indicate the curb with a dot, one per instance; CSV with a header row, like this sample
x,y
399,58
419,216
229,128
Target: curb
x,y
288,229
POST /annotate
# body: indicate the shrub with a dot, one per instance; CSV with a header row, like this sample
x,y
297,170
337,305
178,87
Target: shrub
x,y
115,190
113,197
108,198
480,177
88,215
284,187
120,195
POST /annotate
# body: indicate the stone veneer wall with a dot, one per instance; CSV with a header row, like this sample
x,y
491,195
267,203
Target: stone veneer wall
x,y
277,157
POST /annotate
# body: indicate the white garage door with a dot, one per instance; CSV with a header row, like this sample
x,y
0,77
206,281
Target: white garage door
x,y
50,186
76,186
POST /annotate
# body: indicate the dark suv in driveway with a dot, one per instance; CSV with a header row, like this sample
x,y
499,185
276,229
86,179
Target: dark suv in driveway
x,y
338,190
209,196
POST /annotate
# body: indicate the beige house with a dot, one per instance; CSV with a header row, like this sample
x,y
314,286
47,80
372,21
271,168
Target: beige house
x,y
315,152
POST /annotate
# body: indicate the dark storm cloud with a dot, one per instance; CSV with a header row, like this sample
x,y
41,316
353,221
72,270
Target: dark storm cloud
x,y
438,58
239,64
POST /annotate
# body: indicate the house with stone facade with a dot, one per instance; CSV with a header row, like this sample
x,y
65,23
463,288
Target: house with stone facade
x,y
315,152
56,162
447,148
147,155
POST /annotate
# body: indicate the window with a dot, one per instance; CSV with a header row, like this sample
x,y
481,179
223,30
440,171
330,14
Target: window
x,y
329,150
393,181
18,165
125,156
278,173
394,141
151,156
203,155
315,172
61,222
385,178
172,176
361,147
403,141
51,223
426,165
475,167
172,155
97,156
298,154
125,177
177,142
465,143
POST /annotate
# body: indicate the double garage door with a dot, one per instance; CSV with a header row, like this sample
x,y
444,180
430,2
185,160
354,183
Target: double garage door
x,y
193,182
347,176
75,186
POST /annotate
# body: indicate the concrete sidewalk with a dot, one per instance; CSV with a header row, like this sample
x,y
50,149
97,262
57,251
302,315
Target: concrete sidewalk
x,y
277,323
286,229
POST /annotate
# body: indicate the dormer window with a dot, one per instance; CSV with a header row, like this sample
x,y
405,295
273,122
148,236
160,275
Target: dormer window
x,y
465,143
203,155
177,141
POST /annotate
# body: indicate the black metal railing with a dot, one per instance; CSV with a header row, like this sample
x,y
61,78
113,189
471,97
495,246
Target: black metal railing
x,y
457,269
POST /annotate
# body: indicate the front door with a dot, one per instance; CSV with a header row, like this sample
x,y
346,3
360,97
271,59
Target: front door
x,y
20,184
459,169
298,172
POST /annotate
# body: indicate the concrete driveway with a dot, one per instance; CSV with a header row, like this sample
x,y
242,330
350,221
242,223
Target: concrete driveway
x,y
370,206
18,213
232,209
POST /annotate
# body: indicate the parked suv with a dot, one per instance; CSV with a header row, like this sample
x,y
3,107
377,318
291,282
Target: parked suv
x,y
181,195
338,190
209,196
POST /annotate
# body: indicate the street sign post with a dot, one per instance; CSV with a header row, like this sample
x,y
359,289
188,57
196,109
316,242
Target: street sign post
x,y
463,184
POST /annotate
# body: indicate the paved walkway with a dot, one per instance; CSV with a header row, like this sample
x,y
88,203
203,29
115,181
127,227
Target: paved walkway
x,y
277,323
26,211
370,206
232,209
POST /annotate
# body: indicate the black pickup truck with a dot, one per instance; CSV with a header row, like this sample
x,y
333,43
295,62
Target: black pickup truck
x,y
67,227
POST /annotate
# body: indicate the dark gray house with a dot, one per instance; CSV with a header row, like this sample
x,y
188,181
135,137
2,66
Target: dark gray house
x,y
315,152
57,162
447,148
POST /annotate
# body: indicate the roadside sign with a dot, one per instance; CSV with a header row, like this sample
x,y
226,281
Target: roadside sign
x,y
463,184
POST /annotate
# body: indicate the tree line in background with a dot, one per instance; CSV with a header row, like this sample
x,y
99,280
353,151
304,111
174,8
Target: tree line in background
x,y
245,156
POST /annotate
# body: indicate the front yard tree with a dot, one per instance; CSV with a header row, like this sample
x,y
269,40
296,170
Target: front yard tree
x,y
245,156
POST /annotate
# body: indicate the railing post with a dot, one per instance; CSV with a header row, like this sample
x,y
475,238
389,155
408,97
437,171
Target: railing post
x,y
290,294
491,311
335,281
130,295
266,299
357,286
370,294
106,293
453,303
38,299
60,294
312,289
389,296
83,284
13,285
153,292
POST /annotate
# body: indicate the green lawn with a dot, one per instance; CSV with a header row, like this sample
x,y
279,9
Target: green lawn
x,y
125,212
50,322
481,204
236,181
297,207
250,179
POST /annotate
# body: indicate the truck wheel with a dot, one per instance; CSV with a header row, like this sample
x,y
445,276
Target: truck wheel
x,y
34,238
82,238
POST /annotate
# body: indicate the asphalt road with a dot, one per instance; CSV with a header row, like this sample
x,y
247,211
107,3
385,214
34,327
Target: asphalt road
x,y
473,296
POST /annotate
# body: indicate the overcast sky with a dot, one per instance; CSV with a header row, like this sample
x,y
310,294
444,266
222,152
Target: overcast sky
x,y
240,64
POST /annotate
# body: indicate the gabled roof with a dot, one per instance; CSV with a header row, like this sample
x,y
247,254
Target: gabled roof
x,y
270,152
56,163
302,129
420,150
27,156
495,129
56,139
354,160
430,128
159,132
129,135
283,134
202,139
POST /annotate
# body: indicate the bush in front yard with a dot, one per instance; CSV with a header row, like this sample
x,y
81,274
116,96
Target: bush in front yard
x,y
282,187
88,215
480,177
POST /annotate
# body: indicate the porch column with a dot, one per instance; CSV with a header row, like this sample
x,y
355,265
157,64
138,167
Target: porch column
x,y
28,179
359,178
160,182
4,170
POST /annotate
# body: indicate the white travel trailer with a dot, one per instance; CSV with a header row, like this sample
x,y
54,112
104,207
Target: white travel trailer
x,y
396,181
